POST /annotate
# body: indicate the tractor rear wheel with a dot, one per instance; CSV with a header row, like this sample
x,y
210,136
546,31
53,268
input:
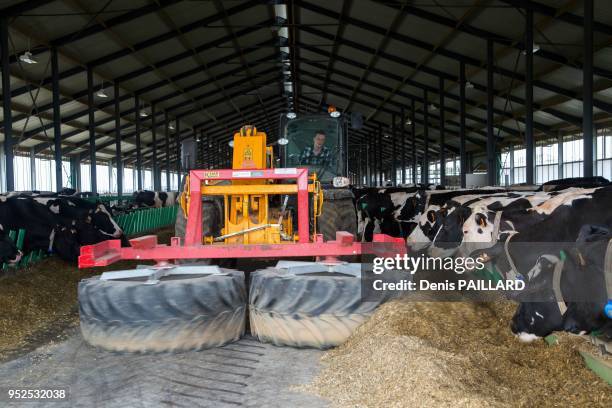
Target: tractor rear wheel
x,y
179,313
212,215
316,310
338,213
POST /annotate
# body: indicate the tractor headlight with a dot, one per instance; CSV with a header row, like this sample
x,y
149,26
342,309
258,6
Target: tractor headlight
x,y
341,182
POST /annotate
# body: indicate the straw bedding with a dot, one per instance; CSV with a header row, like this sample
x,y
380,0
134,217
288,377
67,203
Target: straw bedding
x,y
38,303
454,354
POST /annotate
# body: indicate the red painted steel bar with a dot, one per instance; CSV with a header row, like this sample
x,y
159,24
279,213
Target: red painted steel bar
x,y
147,248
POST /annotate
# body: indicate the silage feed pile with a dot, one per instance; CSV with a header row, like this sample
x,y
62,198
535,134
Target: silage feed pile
x,y
454,354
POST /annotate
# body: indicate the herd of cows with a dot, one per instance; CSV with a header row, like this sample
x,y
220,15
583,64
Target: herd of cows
x,y
60,223
555,239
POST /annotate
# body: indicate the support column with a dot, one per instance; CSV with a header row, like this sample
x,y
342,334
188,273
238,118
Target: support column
x,y
403,139
491,167
32,169
167,137
393,150
425,168
587,89
442,136
155,170
7,119
529,140
138,146
118,152
380,156
415,165
560,155
92,131
178,152
57,120
75,172
462,156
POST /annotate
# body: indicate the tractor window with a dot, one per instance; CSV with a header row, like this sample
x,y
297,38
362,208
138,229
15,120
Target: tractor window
x,y
313,143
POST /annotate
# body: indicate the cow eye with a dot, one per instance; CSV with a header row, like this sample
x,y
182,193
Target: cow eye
x,y
481,220
431,216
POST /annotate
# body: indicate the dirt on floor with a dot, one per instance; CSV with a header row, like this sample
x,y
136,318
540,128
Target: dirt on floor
x,y
454,354
38,303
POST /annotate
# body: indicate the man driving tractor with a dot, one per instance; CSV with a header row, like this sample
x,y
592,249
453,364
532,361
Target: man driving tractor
x,y
318,154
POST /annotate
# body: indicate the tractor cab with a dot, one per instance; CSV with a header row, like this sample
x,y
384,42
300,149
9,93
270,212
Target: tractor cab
x,y
315,141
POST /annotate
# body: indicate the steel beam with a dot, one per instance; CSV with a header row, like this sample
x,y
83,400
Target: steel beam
x,y
167,143
462,156
413,139
6,104
587,89
442,136
564,16
21,8
178,152
139,173
496,37
92,130
155,170
393,149
118,152
529,139
425,168
403,139
57,120
491,165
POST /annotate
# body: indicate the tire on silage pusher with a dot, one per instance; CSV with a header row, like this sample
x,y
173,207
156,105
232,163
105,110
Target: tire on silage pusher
x,y
318,310
338,214
179,313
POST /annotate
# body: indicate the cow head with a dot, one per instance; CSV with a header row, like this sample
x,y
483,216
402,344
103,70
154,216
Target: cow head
x,y
102,220
449,234
428,224
8,251
66,244
538,314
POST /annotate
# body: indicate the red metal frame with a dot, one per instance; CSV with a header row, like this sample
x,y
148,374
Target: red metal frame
x,y
193,234
147,247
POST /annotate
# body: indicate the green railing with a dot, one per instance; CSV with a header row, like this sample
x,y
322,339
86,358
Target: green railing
x,y
18,237
148,219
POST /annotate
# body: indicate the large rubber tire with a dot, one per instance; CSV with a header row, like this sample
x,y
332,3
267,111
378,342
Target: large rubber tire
x,y
318,310
181,312
211,219
338,213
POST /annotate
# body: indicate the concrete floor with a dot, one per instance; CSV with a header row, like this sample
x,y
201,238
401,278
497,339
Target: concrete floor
x,y
243,374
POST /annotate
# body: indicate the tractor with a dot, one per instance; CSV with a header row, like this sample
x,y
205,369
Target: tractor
x,y
298,135
253,210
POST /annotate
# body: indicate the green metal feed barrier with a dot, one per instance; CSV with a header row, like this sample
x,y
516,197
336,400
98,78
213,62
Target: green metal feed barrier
x,y
149,219
27,259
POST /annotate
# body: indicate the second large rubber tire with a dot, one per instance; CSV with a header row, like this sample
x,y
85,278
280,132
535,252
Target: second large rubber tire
x,y
180,313
306,310
338,214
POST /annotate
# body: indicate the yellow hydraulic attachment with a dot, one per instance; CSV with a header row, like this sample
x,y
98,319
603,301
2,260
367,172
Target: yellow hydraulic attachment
x,y
251,218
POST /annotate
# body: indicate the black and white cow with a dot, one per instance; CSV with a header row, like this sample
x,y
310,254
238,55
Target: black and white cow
x,y
577,305
432,207
58,224
156,199
8,250
579,182
384,210
560,223
83,211
471,221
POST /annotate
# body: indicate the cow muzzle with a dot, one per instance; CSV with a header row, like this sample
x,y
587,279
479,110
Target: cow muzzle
x,y
17,258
